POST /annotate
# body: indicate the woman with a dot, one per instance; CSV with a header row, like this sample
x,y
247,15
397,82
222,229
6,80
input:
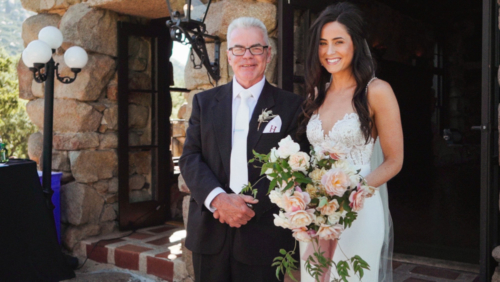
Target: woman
x,y
352,108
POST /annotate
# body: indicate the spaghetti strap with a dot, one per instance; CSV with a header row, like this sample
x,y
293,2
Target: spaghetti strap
x,y
373,78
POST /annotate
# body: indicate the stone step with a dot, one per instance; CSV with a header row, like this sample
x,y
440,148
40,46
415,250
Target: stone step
x,y
154,250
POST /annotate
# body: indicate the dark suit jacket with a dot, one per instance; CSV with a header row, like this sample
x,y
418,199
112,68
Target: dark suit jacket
x,y
205,165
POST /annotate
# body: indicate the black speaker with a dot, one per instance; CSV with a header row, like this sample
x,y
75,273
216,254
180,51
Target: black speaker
x,y
29,249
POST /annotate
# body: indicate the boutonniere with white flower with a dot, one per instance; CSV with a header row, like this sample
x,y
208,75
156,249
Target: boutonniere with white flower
x,y
266,116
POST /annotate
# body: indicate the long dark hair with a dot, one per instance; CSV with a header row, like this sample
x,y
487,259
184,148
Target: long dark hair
x,y
362,65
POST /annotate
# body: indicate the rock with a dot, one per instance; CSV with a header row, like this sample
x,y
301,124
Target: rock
x,y
182,111
496,275
222,13
274,2
111,198
271,73
75,234
496,254
182,185
113,185
35,146
141,162
75,141
139,196
91,166
139,49
143,8
67,177
143,99
177,146
133,139
185,209
187,256
90,82
178,129
199,77
110,117
137,116
108,213
78,26
108,140
106,228
60,161
139,81
180,271
69,115
136,182
33,25
101,186
25,78
80,204
112,89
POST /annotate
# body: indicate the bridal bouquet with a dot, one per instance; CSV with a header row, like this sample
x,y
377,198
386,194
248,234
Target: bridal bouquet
x,y
319,195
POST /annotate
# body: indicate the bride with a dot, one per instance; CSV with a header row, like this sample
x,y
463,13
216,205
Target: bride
x,y
352,108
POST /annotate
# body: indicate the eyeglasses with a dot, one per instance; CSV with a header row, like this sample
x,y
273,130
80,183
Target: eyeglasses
x,y
254,50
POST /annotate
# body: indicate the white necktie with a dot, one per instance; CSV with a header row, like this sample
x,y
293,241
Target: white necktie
x,y
239,165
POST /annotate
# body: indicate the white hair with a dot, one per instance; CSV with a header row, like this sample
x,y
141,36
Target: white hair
x,y
247,22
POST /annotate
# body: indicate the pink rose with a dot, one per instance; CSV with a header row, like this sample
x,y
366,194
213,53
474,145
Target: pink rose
x,y
335,150
336,182
327,232
301,234
357,200
329,208
296,201
301,218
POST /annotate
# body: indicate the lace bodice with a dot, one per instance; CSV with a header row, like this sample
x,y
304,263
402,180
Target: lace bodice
x,y
345,133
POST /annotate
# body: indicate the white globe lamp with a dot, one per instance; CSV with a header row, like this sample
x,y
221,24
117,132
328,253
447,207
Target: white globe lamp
x,y
76,57
52,36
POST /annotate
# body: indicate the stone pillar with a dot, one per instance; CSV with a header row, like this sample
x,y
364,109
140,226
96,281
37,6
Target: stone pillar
x,y
84,142
218,19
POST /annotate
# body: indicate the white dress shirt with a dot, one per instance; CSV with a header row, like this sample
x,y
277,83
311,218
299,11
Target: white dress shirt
x,y
256,90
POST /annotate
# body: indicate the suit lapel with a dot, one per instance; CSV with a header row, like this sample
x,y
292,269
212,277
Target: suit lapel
x,y
222,123
266,101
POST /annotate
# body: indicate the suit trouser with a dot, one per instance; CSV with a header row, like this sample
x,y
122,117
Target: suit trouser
x,y
223,267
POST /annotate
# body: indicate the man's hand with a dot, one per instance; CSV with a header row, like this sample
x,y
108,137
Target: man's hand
x,y
232,209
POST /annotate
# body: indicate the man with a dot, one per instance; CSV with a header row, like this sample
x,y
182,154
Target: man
x,y
233,236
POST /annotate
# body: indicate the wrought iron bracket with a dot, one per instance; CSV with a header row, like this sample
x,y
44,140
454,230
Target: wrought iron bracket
x,y
38,75
66,79
194,33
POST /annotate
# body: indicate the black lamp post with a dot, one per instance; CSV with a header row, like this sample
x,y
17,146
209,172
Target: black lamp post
x,y
189,28
37,56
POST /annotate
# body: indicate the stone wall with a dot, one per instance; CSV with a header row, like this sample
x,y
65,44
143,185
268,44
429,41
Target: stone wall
x,y
86,115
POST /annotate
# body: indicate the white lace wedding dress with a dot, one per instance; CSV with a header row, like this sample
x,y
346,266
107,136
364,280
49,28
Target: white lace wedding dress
x,y
366,235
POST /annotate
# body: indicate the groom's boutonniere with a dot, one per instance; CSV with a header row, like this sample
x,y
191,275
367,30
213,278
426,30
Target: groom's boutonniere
x,y
266,116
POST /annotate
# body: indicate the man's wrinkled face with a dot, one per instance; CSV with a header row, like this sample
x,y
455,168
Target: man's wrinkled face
x,y
248,68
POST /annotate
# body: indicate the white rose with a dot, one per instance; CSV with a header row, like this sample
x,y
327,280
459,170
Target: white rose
x,y
274,155
320,220
287,147
334,218
319,154
299,161
281,221
276,198
355,179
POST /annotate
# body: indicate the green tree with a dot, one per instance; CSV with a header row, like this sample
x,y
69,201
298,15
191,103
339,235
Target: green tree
x,y
15,126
